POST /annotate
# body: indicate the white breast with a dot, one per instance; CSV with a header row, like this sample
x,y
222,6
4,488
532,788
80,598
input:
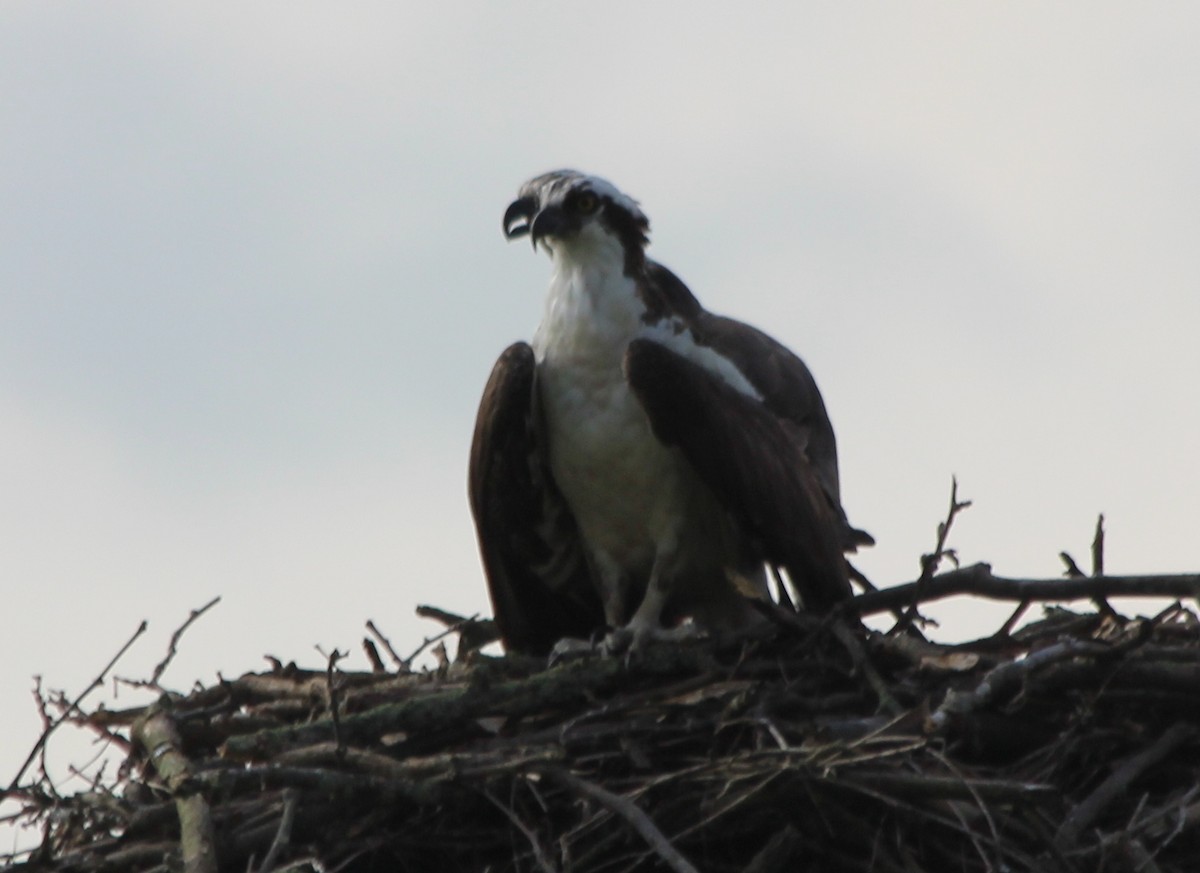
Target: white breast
x,y
627,491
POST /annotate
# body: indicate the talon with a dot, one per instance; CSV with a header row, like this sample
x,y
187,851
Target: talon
x,y
572,649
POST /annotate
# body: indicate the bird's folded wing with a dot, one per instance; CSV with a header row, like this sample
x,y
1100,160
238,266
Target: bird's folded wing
x,y
537,576
753,460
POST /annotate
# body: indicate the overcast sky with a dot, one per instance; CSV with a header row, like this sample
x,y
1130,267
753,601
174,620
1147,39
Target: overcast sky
x,y
252,281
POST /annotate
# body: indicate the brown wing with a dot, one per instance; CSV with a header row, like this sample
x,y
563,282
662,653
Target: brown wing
x,y
537,577
755,463
781,378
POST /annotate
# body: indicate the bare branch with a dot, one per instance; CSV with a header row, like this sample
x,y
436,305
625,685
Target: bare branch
x,y
387,646
930,562
158,735
284,835
71,708
628,810
978,580
1118,782
175,637
1098,548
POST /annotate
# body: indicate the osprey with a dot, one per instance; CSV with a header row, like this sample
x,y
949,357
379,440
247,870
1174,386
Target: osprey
x,y
644,460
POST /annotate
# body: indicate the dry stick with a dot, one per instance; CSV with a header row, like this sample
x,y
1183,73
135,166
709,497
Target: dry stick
x,y
425,644
628,810
450,619
1006,628
930,562
334,700
778,852
175,637
539,853
979,580
1098,570
1011,675
43,707
157,734
71,708
858,656
284,835
372,653
980,805
1118,782
454,623
473,632
1098,548
1141,860
387,645
1072,571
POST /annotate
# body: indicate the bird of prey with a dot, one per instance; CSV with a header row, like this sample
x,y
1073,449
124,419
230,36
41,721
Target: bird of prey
x,y
644,461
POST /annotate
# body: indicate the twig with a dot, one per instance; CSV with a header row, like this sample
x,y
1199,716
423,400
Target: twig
x,y
387,646
284,835
858,656
1009,676
1101,602
778,854
977,579
450,619
473,632
48,721
539,853
71,708
430,640
334,692
1072,571
1118,781
930,562
175,637
1098,548
372,653
628,810
1011,622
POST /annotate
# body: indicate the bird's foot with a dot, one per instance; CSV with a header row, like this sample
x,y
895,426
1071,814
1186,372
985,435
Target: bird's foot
x,y
636,637
574,649
626,641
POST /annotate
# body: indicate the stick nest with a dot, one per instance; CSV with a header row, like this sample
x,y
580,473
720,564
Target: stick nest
x,y
1071,744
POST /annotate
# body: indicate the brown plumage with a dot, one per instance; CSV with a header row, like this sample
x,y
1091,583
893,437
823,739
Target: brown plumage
x,y
643,460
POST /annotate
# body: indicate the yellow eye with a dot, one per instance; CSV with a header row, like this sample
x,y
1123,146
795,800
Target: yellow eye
x,y
586,202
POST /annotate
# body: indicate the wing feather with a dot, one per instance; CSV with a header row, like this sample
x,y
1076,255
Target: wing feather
x,y
753,460
779,375
537,576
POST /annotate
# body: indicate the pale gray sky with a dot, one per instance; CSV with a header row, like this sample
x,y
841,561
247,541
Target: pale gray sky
x,y
252,281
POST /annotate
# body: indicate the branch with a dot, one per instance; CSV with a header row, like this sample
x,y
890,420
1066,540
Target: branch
x,y
628,810
473,632
1098,548
930,562
175,637
566,685
1118,782
72,708
387,646
978,580
157,734
284,835
1009,676
333,690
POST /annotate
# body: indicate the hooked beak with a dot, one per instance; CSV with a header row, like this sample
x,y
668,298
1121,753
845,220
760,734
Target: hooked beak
x,y
523,217
551,221
518,218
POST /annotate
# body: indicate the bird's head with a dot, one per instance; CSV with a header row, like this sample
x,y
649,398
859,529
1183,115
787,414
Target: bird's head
x,y
572,213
